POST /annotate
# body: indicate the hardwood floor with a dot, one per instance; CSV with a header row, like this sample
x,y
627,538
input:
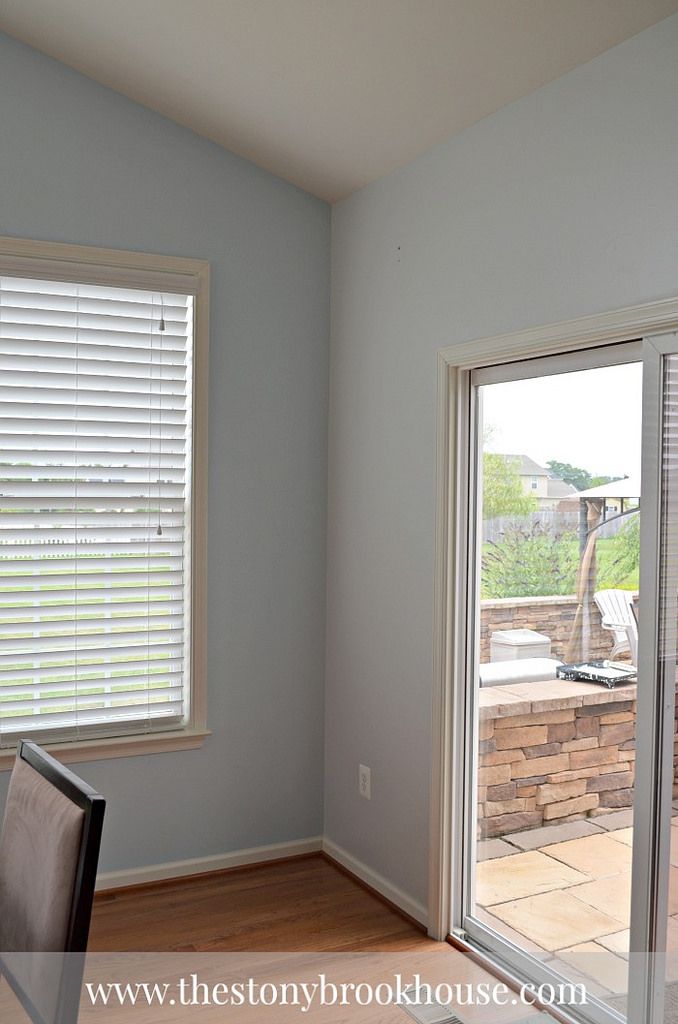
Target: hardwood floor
x,y
302,904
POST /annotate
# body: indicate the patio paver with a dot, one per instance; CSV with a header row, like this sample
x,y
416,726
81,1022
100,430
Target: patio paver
x,y
611,895
523,874
615,820
555,920
592,961
534,838
523,941
596,856
622,835
489,849
616,942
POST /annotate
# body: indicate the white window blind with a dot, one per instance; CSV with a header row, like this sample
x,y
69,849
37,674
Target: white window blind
x,y
668,575
95,474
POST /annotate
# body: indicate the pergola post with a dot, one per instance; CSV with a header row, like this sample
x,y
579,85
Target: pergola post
x,y
583,526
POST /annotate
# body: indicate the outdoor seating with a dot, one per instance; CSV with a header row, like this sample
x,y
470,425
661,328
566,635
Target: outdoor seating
x,y
524,670
618,615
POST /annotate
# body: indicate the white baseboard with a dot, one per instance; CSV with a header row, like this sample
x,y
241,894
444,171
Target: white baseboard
x,y
108,880
376,881
199,865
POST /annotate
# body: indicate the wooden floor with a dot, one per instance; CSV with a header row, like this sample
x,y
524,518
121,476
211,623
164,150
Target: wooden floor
x,y
303,904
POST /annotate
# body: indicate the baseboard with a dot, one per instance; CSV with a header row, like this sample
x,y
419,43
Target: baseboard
x,y
201,865
110,880
376,881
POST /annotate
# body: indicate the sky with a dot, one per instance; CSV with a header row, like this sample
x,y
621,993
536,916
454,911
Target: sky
x,y
590,418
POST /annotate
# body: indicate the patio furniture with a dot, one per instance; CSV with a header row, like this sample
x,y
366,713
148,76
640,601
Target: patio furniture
x,y
524,670
618,615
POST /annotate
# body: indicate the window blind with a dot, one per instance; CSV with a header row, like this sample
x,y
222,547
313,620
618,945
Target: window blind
x,y
668,572
95,475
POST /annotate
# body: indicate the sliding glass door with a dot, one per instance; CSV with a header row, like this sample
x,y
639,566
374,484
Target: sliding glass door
x,y
653,993
568,704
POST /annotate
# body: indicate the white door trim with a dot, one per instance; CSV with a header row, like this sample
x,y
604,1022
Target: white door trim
x,y
454,365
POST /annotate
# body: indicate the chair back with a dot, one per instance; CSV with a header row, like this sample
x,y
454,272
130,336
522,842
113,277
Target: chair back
x,y
618,615
49,851
616,608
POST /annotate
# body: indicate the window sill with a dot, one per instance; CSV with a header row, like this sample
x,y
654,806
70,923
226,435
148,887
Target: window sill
x,y
118,746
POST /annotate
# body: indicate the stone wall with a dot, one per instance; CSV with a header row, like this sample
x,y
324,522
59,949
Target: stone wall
x,y
545,760
552,616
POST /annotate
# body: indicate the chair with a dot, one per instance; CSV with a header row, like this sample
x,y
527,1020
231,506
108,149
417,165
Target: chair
x,y
49,851
618,615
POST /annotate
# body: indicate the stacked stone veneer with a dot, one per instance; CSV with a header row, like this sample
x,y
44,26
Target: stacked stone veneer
x,y
552,616
552,752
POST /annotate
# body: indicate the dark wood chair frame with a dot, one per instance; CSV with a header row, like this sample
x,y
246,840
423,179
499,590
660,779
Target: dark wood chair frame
x,y
71,974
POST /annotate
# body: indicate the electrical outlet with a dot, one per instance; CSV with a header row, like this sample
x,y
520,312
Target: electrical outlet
x,y
365,781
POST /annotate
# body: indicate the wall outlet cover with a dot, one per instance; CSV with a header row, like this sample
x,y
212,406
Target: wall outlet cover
x,y
365,781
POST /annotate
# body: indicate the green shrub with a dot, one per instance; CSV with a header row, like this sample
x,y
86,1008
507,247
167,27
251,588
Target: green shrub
x,y
619,557
532,562
529,563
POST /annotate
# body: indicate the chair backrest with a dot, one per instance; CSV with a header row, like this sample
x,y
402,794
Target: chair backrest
x,y
618,614
616,608
49,851
632,636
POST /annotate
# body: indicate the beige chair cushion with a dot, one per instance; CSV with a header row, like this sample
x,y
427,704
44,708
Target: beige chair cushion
x,y
39,850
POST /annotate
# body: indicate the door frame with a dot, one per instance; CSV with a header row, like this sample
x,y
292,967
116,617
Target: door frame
x,y
451,709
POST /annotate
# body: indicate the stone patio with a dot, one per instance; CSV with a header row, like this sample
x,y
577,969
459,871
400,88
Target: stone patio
x,y
563,894
554,837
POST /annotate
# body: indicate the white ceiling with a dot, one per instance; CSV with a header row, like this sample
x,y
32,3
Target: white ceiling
x,y
329,94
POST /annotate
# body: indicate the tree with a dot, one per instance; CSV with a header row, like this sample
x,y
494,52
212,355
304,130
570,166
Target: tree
x,y
598,481
579,478
502,490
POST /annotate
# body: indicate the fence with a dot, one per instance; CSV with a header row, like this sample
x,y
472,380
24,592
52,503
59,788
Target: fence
x,y
552,521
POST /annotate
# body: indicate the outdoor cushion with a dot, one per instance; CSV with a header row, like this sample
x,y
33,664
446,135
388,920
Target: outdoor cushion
x,y
525,670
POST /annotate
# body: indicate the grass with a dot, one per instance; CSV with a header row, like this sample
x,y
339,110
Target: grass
x,y
104,685
605,567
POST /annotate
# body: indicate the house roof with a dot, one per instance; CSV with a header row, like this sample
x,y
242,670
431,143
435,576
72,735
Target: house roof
x,y
629,487
559,489
526,465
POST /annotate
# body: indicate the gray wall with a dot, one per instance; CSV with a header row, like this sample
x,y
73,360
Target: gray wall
x,y
79,163
562,204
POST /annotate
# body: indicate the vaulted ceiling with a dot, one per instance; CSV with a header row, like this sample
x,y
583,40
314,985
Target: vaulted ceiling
x,y
329,94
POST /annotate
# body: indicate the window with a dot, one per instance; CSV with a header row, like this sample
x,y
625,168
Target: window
x,y
98,582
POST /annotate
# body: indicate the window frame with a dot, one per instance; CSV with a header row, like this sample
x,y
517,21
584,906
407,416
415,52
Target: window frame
x,y
451,709
468,927
118,268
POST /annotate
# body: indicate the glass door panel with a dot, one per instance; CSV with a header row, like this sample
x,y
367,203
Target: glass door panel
x,y
665,885
554,601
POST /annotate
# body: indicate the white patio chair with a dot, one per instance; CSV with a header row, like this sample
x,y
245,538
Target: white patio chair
x,y
618,615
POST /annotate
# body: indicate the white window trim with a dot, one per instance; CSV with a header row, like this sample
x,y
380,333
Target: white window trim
x,y
454,365
89,265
